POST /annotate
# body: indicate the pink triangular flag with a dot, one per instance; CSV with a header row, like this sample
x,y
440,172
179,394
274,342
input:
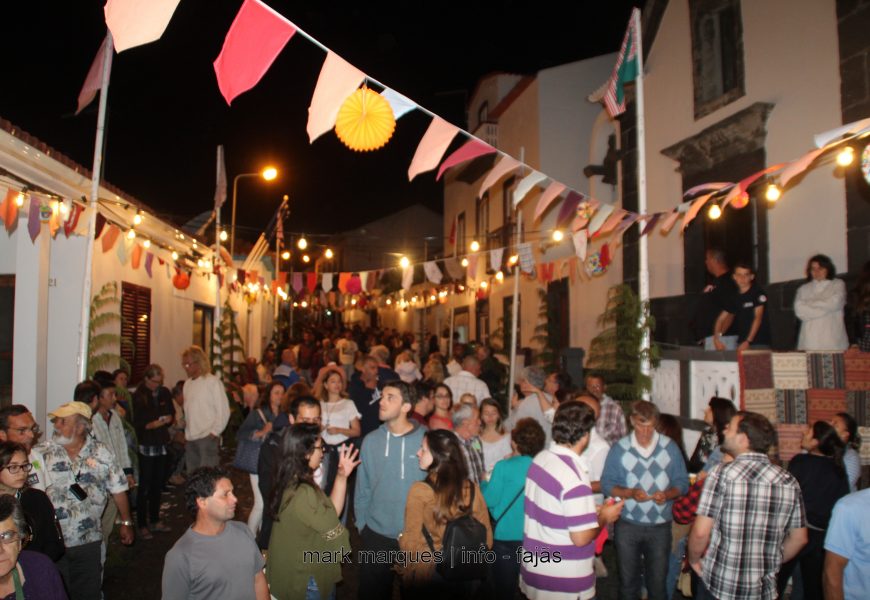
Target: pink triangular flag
x,y
473,148
432,147
94,79
137,22
338,79
598,219
694,210
551,193
505,165
669,222
798,166
580,242
612,221
407,277
256,37
298,282
472,266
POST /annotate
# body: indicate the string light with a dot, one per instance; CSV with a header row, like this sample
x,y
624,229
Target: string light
x,y
433,298
389,301
302,244
306,258
224,235
304,304
194,244
558,236
64,209
131,235
285,255
475,246
147,243
772,193
19,199
499,276
846,156
137,220
404,262
714,212
513,259
464,262
174,255
328,254
353,301
483,285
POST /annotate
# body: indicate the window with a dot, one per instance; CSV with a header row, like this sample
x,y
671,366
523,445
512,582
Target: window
x,y
203,326
481,312
461,249
7,323
717,54
482,113
481,223
136,328
558,314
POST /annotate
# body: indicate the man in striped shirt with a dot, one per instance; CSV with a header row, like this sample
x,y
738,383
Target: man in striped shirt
x,y
561,523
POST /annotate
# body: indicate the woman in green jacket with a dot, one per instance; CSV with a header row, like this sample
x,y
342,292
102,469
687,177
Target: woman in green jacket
x,y
308,541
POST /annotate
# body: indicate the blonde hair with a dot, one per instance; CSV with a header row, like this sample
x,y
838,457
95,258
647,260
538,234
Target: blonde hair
x,y
197,355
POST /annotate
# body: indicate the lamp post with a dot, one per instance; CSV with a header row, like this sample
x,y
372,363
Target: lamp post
x,y
269,173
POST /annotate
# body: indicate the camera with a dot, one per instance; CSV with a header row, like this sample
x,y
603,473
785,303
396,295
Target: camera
x,y
78,491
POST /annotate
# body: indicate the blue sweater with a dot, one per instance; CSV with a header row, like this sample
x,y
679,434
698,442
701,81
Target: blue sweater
x,y
504,492
664,469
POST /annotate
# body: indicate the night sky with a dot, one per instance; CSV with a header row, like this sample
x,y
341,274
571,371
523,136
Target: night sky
x,y
166,114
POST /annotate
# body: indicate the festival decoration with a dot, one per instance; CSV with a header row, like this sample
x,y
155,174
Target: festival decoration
x,y
365,121
865,163
133,22
432,147
181,280
472,149
338,79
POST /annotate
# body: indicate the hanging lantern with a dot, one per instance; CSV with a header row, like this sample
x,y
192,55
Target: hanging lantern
x,y
365,121
865,163
181,280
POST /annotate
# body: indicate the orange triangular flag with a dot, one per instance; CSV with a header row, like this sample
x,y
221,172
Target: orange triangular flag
x,y
9,210
110,237
137,256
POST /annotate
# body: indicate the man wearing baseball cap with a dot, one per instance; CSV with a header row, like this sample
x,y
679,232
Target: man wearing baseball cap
x,y
81,473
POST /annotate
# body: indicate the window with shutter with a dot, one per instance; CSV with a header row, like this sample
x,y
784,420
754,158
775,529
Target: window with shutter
x,y
136,328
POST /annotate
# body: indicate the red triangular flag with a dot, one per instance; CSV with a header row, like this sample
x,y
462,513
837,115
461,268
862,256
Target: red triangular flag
x,y
473,148
72,220
94,79
311,281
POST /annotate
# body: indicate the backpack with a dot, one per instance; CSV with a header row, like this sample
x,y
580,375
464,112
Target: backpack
x,y
463,554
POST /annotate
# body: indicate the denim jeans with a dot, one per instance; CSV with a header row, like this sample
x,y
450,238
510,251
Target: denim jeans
x,y
313,592
642,552
675,564
504,574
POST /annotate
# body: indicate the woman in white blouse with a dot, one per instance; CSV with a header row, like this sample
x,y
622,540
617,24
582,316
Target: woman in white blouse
x,y
819,305
338,413
496,442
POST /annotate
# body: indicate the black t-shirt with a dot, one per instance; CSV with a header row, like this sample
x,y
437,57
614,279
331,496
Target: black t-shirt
x,y
711,304
743,308
367,402
821,486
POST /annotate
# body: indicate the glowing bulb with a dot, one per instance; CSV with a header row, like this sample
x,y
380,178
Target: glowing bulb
x,y
174,255
304,304
137,220
224,236
285,255
194,244
464,262
389,301
296,304
147,243
846,156
714,212
433,297
404,262
131,235
513,259
499,276
302,244
558,236
19,199
199,263
306,258
64,209
475,246
483,285
328,254
270,173
353,301
772,193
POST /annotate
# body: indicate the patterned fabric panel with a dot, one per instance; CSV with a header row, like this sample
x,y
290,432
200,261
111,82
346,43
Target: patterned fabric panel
x,y
826,370
762,402
858,405
757,370
791,406
790,436
822,405
790,371
864,432
857,368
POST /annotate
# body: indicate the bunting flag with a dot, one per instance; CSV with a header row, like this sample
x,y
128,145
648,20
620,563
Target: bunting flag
x,y
338,79
627,222
599,218
553,191
400,105
354,285
694,209
472,149
372,280
669,222
495,258
297,282
612,221
123,251
545,272
505,165
282,279
526,184
137,22
472,266
110,237
452,238
254,40
572,269
407,277
9,210
54,221
94,79
568,208
149,260
136,259
311,281
343,278
454,269
651,223
364,280
826,137
326,282
604,255
432,147
101,223
580,242
72,221
738,196
612,93
433,273
220,188
798,166
527,261
33,224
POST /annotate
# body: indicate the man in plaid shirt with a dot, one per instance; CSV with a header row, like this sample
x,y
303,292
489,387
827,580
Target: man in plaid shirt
x,y
611,423
750,518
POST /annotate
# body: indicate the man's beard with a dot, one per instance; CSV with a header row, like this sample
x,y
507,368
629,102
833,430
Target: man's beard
x,y
59,439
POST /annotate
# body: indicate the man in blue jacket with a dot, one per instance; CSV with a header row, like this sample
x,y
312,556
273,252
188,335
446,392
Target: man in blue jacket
x,y
389,467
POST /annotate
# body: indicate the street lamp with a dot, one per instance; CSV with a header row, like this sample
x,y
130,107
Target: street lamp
x,y
269,174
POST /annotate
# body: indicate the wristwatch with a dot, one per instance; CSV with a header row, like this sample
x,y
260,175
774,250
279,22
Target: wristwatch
x,y
126,523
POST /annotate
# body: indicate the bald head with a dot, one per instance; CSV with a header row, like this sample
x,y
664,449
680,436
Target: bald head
x,y
471,364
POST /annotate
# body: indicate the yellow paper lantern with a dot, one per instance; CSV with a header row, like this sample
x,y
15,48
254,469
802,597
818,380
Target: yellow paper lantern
x,y
365,121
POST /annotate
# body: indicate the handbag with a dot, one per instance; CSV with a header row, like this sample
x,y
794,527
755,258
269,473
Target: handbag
x,y
248,452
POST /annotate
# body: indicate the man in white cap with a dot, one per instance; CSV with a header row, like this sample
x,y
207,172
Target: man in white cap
x,y
81,473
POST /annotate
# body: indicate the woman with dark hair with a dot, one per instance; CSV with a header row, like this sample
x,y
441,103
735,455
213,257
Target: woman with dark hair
x,y
504,498
718,414
847,428
669,426
819,304
496,443
14,468
306,519
24,574
445,494
822,477
440,417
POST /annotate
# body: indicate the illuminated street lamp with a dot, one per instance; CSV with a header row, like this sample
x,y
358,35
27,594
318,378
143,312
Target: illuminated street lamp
x,y
268,174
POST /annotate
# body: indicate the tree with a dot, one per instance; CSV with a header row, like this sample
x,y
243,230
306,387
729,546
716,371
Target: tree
x,y
547,356
226,345
617,352
104,346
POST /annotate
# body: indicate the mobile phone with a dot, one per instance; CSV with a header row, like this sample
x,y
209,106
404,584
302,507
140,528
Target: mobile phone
x,y
78,491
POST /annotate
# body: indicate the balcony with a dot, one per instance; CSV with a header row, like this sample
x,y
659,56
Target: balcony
x,y
488,132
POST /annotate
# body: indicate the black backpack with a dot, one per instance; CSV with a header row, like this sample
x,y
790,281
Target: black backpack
x,y
463,554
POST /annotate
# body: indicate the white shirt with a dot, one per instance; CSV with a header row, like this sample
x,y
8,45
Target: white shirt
x,y
111,435
495,451
466,383
206,407
819,306
593,459
337,414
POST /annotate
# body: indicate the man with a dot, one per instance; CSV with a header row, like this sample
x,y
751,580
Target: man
x,y
531,382
466,426
715,298
382,354
595,454
286,371
847,564
467,381
121,378
17,425
206,410
82,473
305,355
216,557
747,312
425,402
648,471
750,518
611,423
492,372
561,515
365,395
389,466
347,349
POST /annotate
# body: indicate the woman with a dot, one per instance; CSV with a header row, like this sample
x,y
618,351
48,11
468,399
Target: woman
x,y
504,499
819,305
341,419
433,370
306,520
266,366
406,368
496,443
847,428
441,419
822,477
669,426
14,467
861,318
257,426
444,494
717,416
152,415
24,574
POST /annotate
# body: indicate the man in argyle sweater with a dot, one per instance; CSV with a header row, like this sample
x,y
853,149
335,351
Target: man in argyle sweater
x,y
647,470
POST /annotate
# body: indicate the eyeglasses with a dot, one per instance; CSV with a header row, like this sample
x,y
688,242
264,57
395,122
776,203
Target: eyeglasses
x,y
13,468
9,537
35,429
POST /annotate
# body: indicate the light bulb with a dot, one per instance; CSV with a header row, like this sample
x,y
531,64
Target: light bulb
x,y
306,258
513,259
304,304
296,304
199,263
328,254
404,262
353,301
224,236
131,235
270,173
302,244
64,209
285,255
772,193
846,156
137,220
464,262
432,297
483,285
147,243
19,199
499,276
558,236
389,301
174,255
475,246
714,212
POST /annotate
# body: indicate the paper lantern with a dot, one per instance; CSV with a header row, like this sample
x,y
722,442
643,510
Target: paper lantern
x,y
181,280
365,121
865,163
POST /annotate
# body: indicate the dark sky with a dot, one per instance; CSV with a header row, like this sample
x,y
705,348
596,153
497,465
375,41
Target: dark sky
x,y
166,114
